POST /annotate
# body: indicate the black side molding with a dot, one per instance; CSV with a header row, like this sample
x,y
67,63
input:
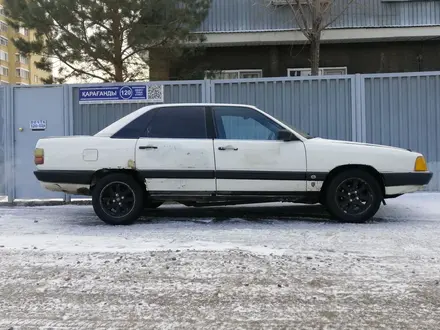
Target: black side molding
x,y
85,177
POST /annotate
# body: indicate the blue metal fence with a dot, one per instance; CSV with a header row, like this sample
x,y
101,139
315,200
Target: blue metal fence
x,y
318,106
404,111
89,119
400,110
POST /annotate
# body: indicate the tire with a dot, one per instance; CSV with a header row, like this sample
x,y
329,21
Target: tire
x,y
114,188
347,192
149,204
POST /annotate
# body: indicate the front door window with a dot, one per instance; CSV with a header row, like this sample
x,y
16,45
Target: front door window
x,y
240,123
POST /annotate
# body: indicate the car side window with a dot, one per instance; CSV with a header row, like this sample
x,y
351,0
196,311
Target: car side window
x,y
135,128
240,123
180,122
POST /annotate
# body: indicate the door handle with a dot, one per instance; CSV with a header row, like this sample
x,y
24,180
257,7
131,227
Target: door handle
x,y
147,147
228,148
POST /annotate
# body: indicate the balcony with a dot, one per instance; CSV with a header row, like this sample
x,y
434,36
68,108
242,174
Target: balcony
x,y
22,75
21,61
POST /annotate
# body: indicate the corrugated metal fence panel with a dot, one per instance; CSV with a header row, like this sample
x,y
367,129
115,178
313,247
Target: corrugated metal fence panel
x,y
89,119
319,106
259,15
2,141
404,111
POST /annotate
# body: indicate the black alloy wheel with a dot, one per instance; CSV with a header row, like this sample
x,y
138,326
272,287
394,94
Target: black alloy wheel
x,y
118,199
353,195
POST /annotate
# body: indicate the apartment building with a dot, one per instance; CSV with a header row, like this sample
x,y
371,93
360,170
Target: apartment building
x,y
15,68
260,38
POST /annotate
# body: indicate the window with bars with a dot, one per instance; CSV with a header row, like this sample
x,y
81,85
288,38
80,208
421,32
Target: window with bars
x,y
4,56
4,71
21,59
3,27
234,74
4,41
324,71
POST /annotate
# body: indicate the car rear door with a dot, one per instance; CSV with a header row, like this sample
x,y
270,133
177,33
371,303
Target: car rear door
x,y
175,154
250,159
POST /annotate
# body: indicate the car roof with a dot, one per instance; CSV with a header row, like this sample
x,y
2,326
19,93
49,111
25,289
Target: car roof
x,y
197,104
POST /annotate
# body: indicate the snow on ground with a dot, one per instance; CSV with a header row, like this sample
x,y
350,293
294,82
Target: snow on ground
x,y
269,266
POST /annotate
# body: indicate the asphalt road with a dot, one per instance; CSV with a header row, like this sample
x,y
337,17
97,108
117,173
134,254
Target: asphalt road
x,y
261,267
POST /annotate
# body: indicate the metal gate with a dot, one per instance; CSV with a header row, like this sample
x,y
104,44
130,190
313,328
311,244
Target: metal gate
x,y
2,143
38,113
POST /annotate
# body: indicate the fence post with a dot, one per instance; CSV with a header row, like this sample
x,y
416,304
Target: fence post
x,y
68,114
9,144
206,91
358,108
212,91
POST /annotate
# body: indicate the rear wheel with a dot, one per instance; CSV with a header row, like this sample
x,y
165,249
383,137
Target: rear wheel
x,y
353,196
118,199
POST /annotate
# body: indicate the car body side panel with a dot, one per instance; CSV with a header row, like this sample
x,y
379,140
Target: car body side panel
x,y
176,164
87,153
260,166
325,155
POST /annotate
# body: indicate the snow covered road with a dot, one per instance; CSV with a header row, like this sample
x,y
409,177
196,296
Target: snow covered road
x,y
263,267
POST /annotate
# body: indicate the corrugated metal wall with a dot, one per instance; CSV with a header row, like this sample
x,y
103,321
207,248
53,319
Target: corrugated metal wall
x,y
2,141
258,15
319,106
404,111
89,119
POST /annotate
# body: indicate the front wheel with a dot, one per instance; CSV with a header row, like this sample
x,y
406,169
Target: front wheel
x,y
353,196
118,199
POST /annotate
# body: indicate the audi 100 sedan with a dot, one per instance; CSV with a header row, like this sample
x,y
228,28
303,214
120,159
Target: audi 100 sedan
x,y
222,154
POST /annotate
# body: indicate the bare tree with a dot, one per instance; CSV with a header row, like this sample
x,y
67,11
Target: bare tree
x,y
313,17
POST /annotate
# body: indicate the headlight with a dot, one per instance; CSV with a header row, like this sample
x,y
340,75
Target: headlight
x,y
420,165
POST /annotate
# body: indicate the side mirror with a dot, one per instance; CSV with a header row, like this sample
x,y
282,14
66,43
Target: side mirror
x,y
285,135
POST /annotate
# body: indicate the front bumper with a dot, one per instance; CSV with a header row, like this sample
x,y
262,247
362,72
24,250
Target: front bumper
x,y
407,179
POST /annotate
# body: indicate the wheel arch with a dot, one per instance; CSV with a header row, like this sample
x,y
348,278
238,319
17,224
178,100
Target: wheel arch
x,y
367,168
106,171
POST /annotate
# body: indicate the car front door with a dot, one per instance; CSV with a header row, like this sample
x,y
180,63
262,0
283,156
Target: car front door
x,y
174,155
250,159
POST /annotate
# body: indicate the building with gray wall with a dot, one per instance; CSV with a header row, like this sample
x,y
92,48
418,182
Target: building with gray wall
x,y
254,38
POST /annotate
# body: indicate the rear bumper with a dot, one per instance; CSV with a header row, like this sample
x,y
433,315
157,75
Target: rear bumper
x,y
407,179
71,177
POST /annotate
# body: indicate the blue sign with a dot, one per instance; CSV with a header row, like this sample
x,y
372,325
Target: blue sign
x,y
112,94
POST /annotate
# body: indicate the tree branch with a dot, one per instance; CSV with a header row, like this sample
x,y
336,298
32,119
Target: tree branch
x,y
342,12
300,17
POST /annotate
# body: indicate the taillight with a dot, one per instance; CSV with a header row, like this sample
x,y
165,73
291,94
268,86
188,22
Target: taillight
x,y
39,156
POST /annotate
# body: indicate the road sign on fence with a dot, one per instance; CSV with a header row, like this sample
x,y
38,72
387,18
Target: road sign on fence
x,y
114,94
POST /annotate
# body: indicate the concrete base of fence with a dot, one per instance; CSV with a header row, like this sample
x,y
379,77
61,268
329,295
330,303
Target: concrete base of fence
x,y
44,203
30,203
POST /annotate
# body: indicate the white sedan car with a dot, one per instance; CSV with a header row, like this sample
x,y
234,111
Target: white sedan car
x,y
222,154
